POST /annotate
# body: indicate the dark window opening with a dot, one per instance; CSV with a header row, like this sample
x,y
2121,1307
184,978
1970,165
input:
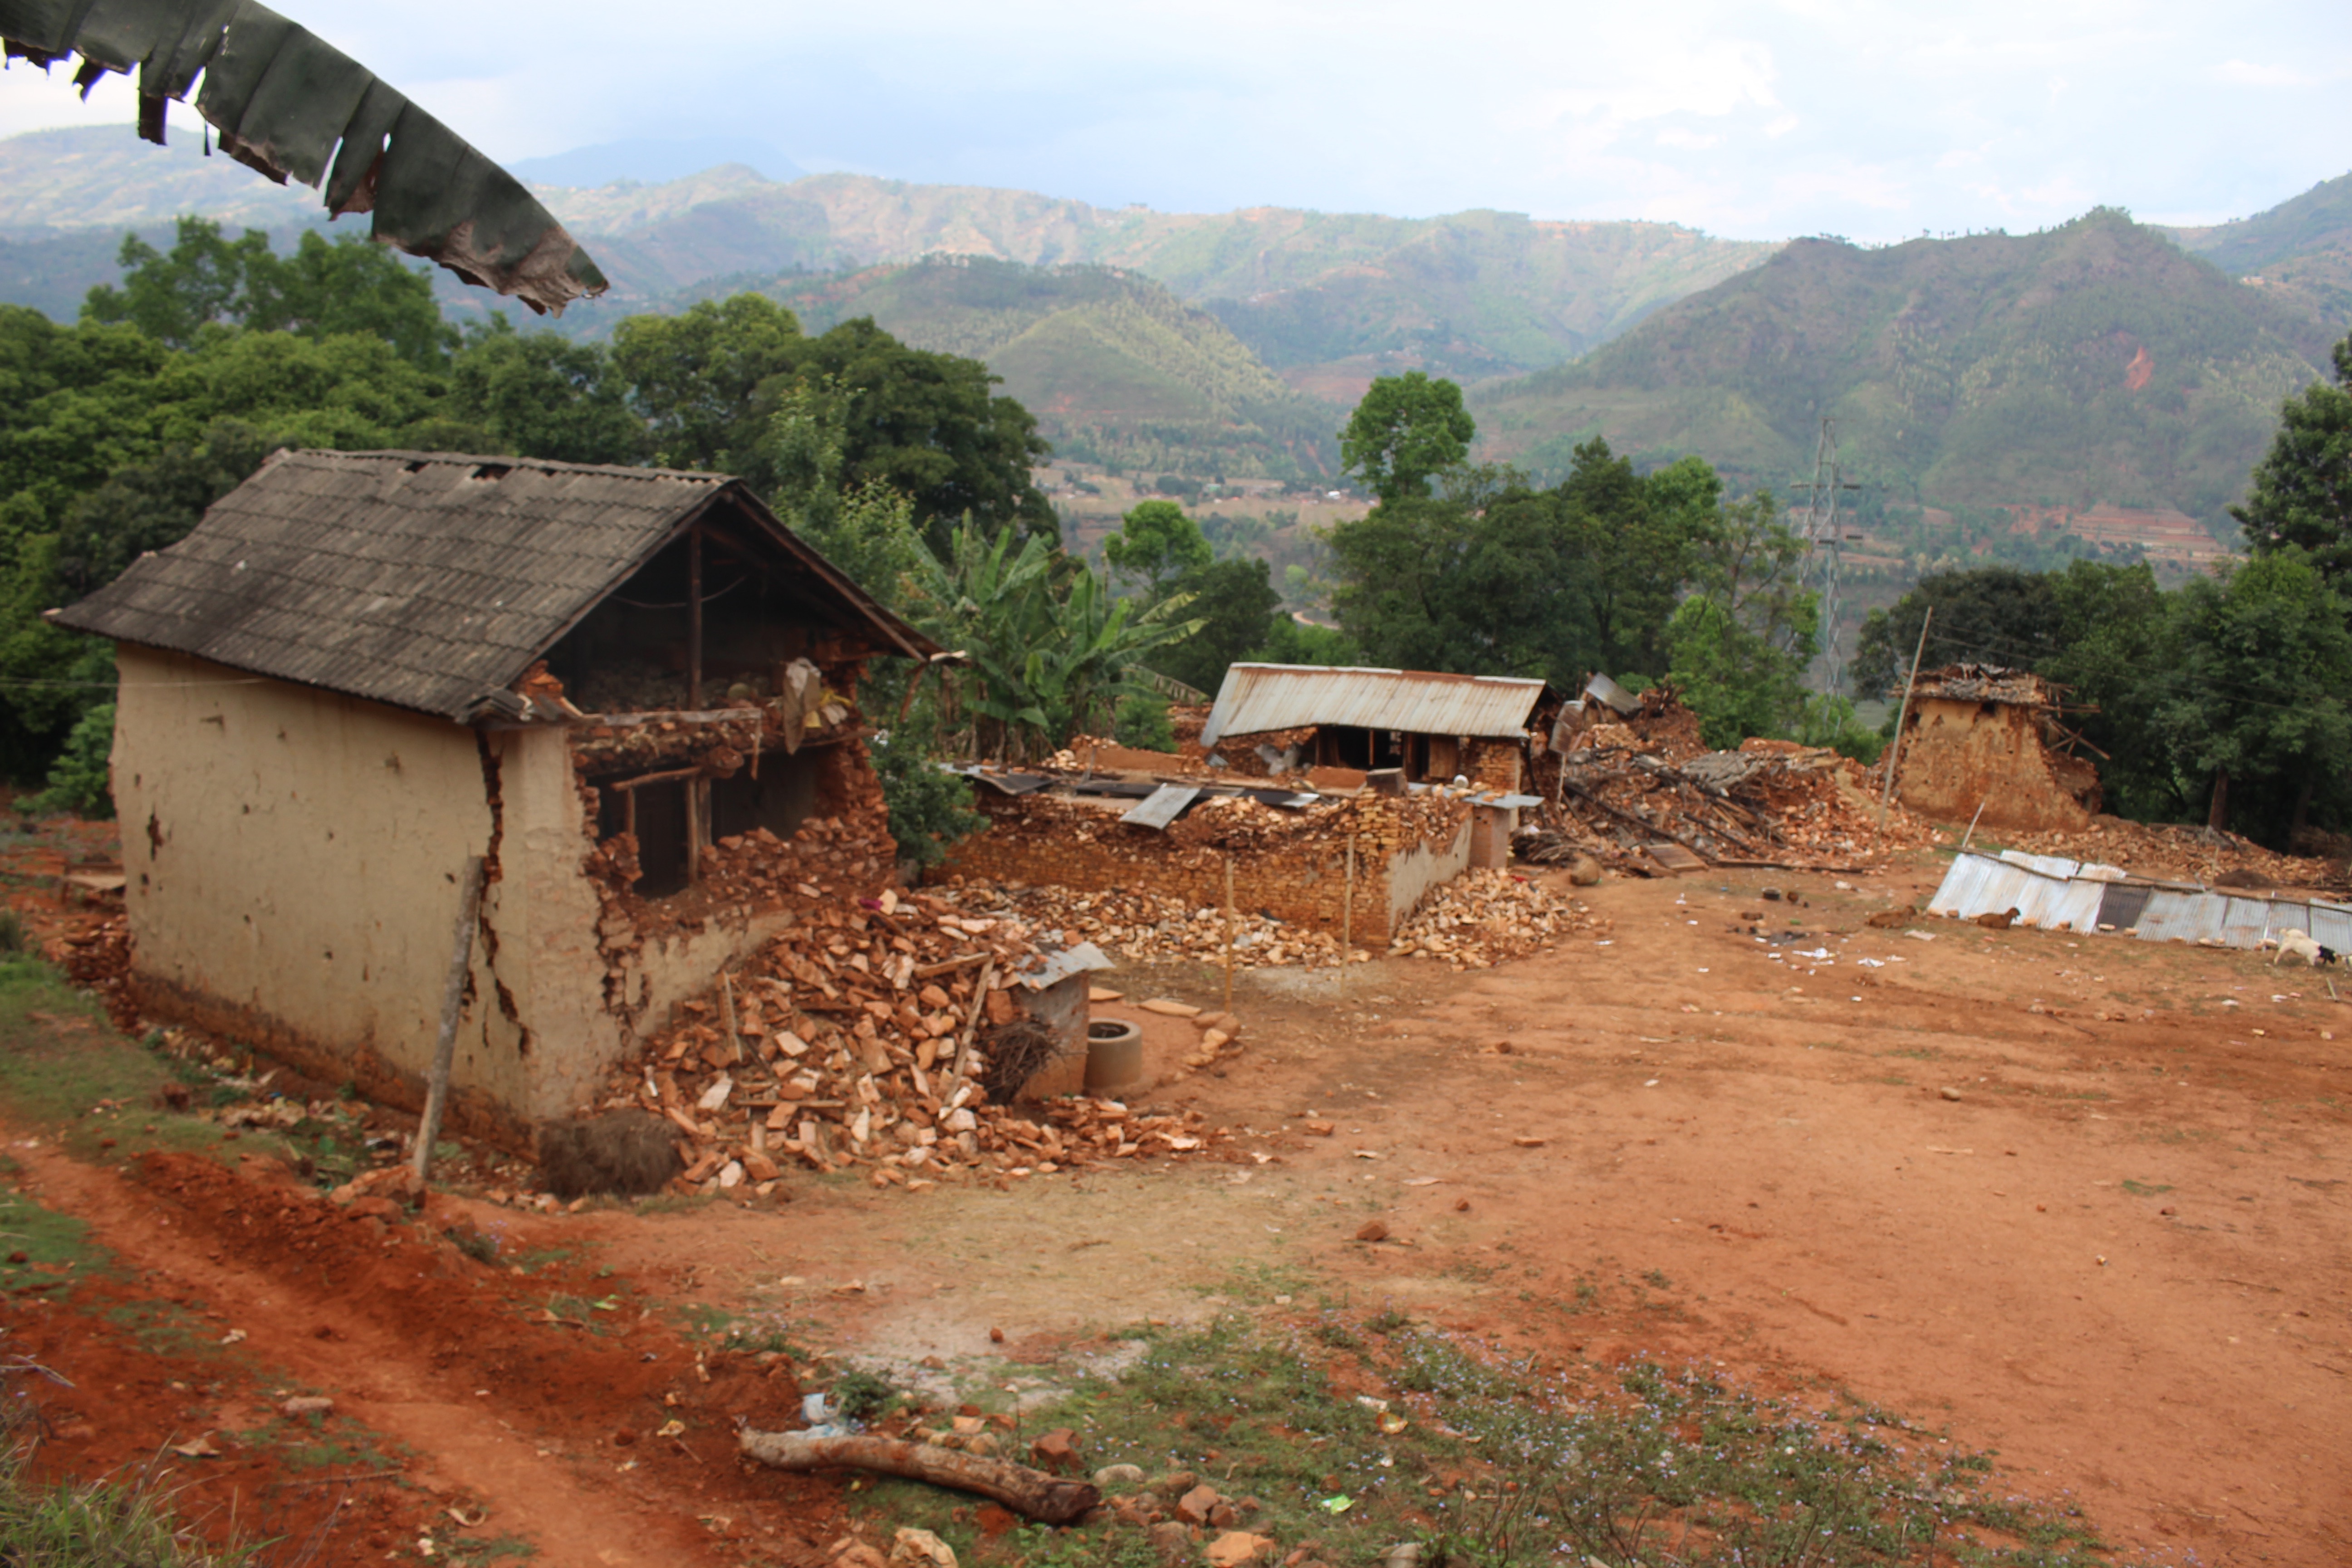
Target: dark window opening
x,y
1345,746
782,798
663,860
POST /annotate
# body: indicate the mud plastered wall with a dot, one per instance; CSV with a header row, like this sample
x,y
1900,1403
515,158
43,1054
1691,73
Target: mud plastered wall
x,y
293,859
1958,755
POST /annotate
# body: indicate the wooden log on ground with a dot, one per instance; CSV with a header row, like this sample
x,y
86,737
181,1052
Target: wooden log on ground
x,y
1032,1494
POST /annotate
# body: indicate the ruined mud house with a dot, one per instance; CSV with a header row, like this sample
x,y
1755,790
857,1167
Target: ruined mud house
x,y
626,689
1980,736
1430,726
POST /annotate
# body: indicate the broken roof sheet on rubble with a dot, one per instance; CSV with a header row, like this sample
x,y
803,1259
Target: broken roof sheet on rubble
x,y
2057,894
1257,697
428,580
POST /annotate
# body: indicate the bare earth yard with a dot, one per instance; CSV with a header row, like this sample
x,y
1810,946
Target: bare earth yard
x,y
2080,1200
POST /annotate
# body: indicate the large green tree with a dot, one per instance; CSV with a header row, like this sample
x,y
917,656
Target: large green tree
x,y
709,380
1632,540
1406,430
324,289
2258,698
1741,640
1235,602
1983,615
2302,494
1477,579
1156,544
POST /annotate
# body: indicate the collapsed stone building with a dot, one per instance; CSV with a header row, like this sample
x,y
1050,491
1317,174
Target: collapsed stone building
x,y
632,691
1980,737
1328,795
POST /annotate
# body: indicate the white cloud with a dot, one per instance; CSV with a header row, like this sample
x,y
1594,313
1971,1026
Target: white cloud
x,y
1755,117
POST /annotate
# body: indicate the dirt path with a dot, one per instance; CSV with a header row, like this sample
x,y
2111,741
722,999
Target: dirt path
x,y
536,1429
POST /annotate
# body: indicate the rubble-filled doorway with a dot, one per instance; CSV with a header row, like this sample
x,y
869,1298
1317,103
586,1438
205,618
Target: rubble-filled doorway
x,y
784,796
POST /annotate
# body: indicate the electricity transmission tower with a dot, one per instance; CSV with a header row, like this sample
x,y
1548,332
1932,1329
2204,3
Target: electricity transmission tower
x,y
1825,536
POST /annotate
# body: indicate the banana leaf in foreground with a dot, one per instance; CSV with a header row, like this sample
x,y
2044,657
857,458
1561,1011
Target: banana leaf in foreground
x,y
291,105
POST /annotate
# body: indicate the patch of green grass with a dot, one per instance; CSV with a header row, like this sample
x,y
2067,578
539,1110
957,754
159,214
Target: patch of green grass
x,y
504,1548
126,1520
1494,1463
63,1068
1657,1277
165,1328
2145,1189
52,1246
1915,1053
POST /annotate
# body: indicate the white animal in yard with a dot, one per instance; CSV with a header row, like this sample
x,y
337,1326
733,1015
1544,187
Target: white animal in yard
x,y
2298,944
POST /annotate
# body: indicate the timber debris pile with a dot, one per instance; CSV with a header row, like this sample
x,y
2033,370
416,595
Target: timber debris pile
x,y
2171,851
1621,787
881,1033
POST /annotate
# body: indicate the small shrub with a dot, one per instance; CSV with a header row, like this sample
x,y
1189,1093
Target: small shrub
x,y
79,782
928,809
12,932
862,1397
1142,723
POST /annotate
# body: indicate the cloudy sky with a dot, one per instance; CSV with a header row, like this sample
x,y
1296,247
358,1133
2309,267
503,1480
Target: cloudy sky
x,y
1744,117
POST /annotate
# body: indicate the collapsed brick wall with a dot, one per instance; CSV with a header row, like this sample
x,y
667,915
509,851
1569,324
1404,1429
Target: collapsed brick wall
x,y
1293,865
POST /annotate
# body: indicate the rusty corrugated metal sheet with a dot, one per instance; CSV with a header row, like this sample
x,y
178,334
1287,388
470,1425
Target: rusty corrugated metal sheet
x,y
2045,895
429,580
1257,697
1163,805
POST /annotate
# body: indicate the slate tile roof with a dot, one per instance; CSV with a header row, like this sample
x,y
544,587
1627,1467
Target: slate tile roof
x,y
429,580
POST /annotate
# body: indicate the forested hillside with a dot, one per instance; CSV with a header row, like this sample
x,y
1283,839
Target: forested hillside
x,y
2093,362
1116,368
2301,249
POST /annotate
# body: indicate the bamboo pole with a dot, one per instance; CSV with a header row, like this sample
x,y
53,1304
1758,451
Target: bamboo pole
x,y
453,996
1347,904
1903,714
1229,931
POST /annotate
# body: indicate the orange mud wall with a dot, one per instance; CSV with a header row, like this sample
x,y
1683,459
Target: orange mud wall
x,y
1960,755
1298,878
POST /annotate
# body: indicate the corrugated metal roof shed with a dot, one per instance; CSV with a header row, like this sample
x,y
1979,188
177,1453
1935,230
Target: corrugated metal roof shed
x,y
1257,697
428,580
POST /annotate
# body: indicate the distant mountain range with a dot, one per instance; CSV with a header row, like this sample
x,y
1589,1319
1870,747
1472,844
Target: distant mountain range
x,y
1962,372
2097,360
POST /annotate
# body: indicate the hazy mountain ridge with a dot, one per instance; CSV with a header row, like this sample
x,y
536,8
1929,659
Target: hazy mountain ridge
x,y
1115,367
2093,362
2300,248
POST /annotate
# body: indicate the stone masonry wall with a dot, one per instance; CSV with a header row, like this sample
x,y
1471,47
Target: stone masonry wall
x,y
1293,866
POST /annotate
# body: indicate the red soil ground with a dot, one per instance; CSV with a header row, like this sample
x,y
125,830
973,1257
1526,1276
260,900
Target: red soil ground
x,y
2119,1257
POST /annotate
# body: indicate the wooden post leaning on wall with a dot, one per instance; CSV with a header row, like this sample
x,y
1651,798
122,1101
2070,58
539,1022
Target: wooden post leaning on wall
x,y
1894,748
694,619
452,998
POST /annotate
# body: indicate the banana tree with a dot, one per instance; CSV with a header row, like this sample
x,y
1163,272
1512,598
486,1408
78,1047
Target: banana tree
x,y
1044,658
291,105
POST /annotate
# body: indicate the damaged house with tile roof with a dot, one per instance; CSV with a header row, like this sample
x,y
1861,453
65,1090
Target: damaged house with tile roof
x,y
632,691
